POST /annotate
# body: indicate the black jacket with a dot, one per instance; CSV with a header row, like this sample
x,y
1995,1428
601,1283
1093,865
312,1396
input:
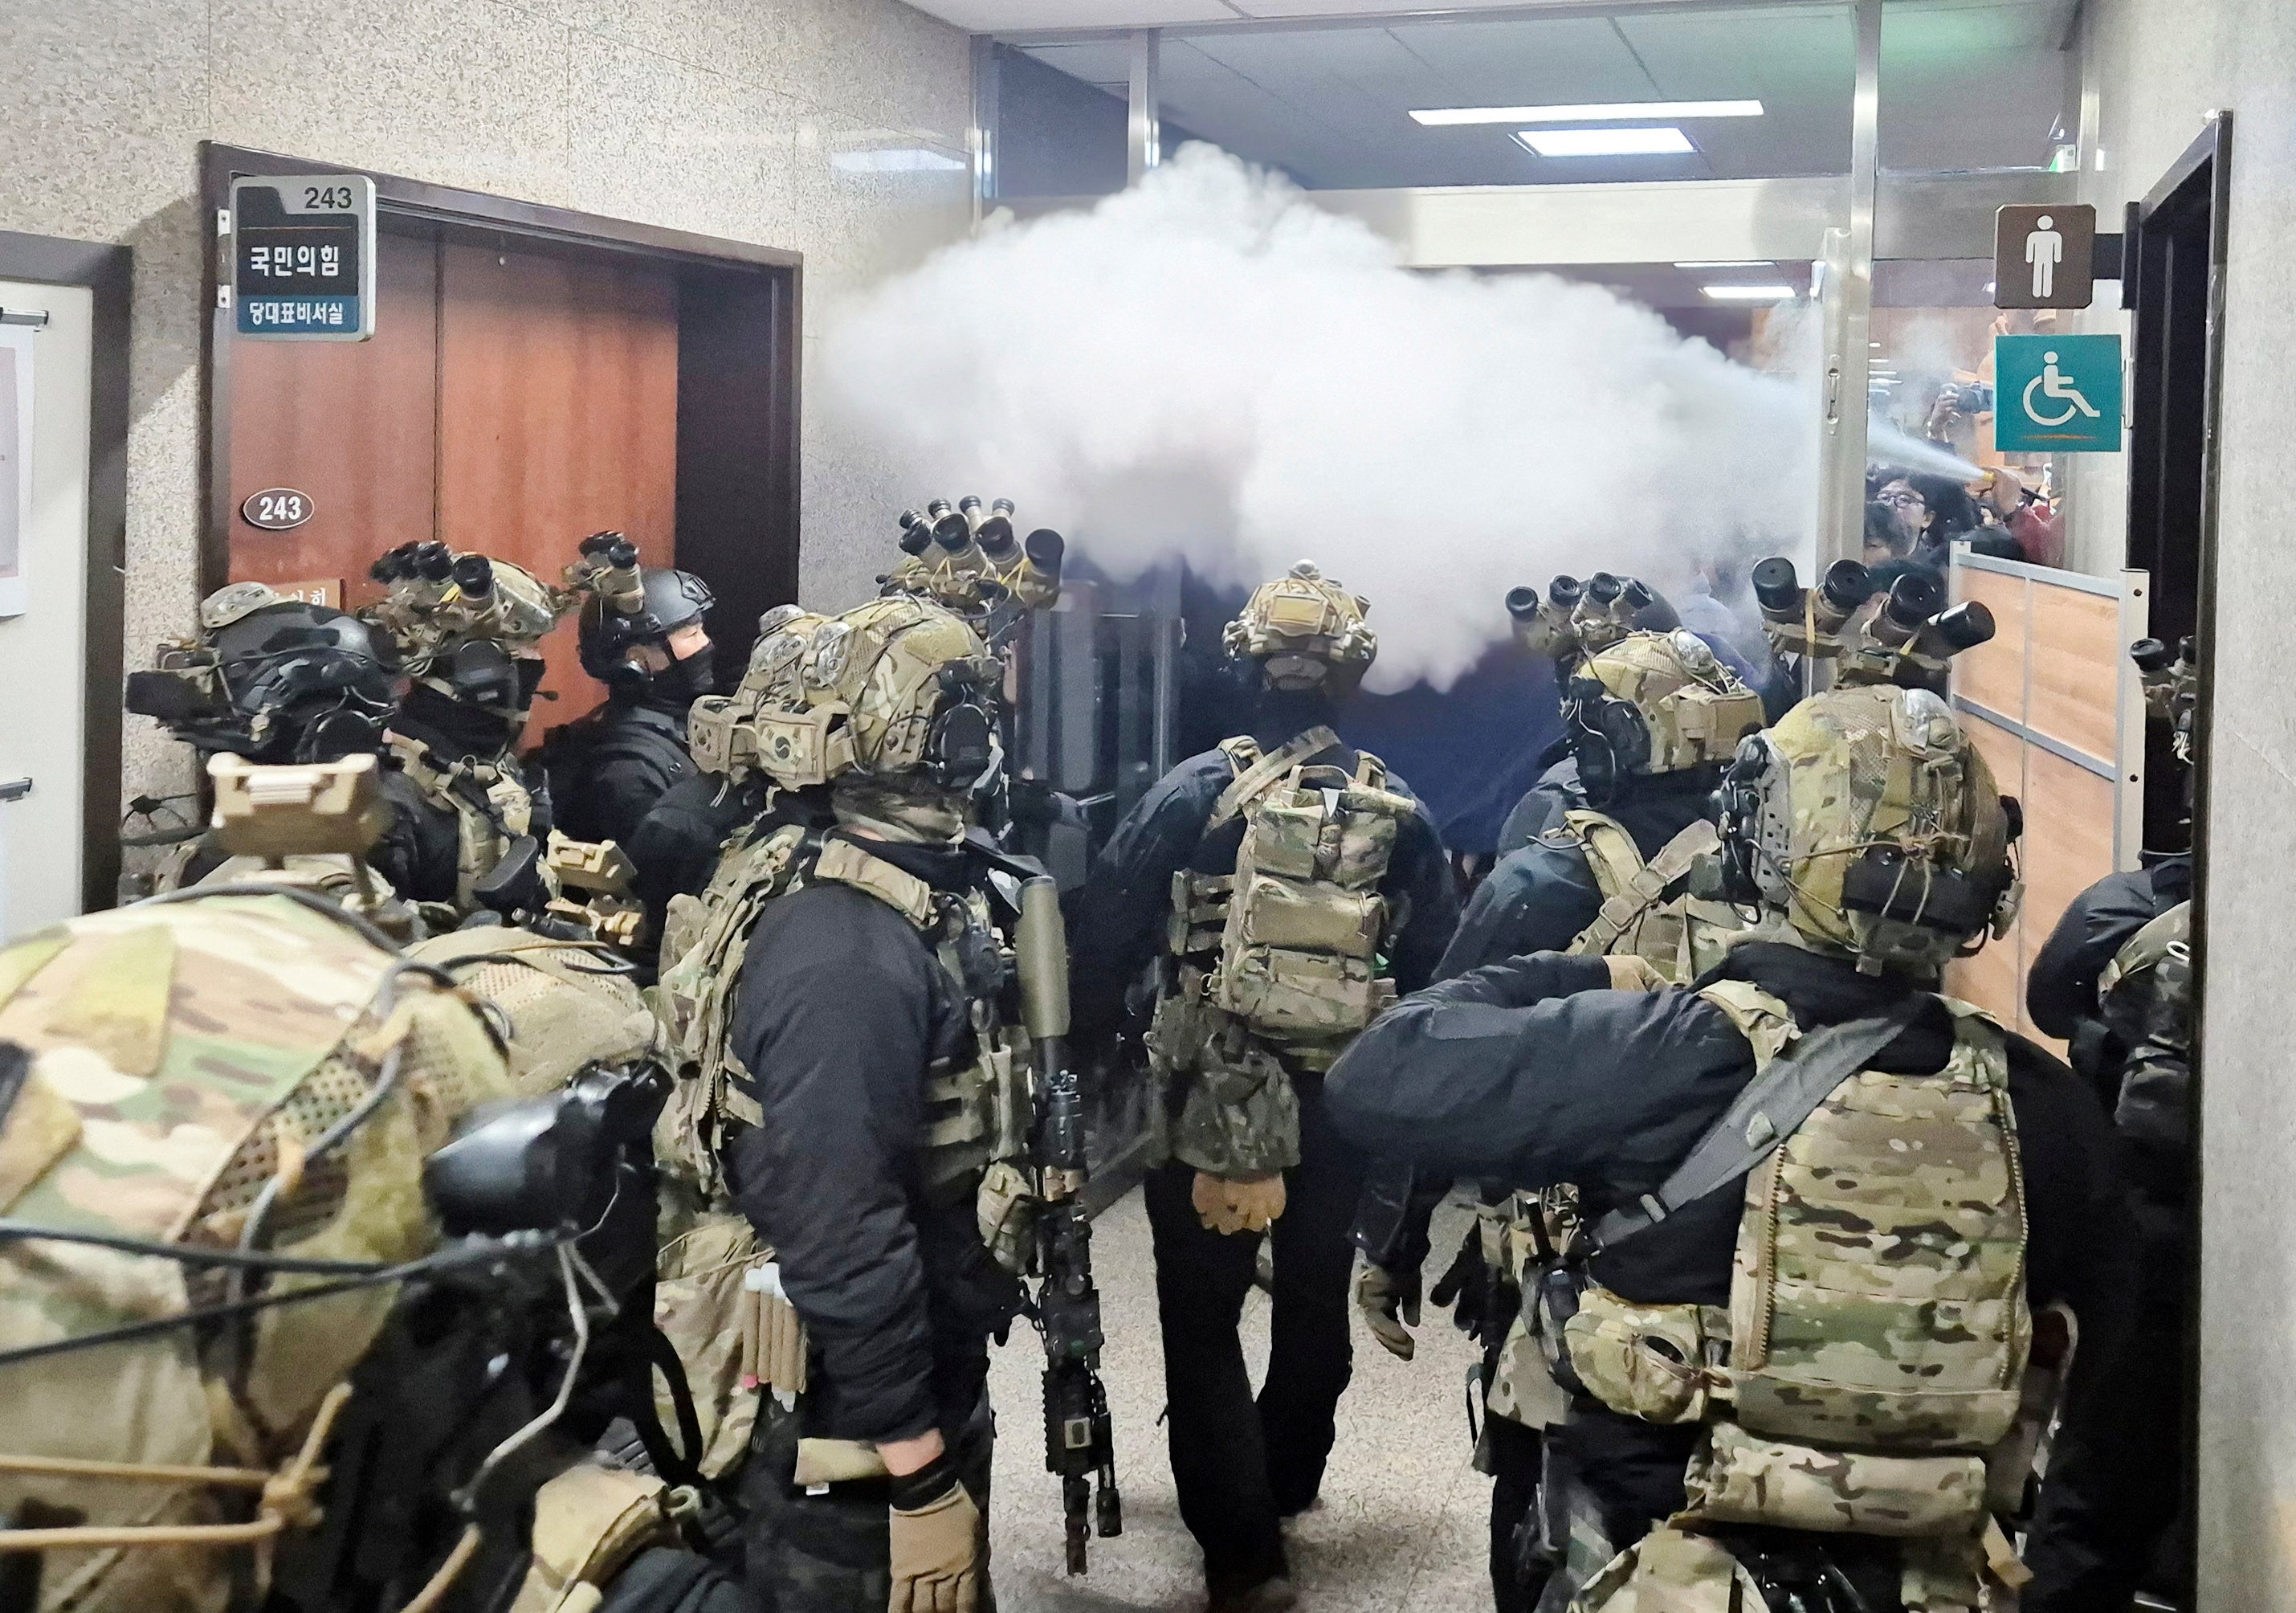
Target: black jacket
x,y
1116,919
1537,899
1534,1072
609,768
2060,985
844,1007
420,851
675,846
1556,792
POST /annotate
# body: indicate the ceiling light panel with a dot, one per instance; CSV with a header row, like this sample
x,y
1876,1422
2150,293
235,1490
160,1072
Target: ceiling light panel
x,y
1603,111
1607,142
1749,293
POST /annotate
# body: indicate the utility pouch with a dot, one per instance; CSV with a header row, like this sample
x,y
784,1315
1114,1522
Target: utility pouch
x,y
588,1522
1293,993
1644,1360
1671,1571
1314,918
703,1308
1737,1478
1006,1209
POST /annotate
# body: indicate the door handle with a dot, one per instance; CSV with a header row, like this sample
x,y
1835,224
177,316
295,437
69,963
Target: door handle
x,y
15,789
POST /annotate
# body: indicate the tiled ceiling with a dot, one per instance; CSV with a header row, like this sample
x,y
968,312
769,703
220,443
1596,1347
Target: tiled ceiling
x,y
1017,16
1965,84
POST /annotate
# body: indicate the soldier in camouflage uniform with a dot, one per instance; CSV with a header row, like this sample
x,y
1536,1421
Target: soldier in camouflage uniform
x,y
1827,1208
851,1117
469,629
1291,886
1651,717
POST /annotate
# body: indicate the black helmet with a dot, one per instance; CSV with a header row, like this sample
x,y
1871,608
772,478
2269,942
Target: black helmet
x,y
673,599
276,680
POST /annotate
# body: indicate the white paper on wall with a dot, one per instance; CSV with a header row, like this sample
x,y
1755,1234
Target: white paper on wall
x,y
15,464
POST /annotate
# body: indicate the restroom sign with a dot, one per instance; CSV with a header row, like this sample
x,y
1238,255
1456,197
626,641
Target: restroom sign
x,y
302,257
2056,394
2044,257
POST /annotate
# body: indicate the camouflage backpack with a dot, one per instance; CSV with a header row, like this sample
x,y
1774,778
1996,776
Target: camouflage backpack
x,y
225,1070
1866,1382
1279,964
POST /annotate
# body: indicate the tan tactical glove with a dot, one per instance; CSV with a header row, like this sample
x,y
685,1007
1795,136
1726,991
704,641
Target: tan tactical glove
x,y
1390,1307
937,1554
1629,973
1237,1207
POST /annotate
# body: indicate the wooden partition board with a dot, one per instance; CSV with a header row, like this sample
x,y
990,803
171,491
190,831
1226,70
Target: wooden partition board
x,y
2052,705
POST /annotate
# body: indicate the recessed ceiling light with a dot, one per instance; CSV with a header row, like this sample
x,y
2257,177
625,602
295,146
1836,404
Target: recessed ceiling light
x,y
1610,111
1715,263
1748,294
1606,142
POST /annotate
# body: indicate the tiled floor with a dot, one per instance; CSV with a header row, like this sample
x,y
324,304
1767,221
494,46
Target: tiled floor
x,y
1401,1523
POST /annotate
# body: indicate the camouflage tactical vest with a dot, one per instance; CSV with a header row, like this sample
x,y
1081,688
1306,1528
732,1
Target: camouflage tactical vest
x,y
718,1293
2124,988
1276,967
482,836
972,1116
1869,1373
1681,938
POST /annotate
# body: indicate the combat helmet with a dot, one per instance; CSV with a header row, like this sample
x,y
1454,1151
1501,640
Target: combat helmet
x,y
272,678
469,625
1306,631
900,690
1653,704
1867,824
611,630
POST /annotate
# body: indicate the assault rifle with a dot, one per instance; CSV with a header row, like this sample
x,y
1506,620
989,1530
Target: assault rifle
x,y
1079,1445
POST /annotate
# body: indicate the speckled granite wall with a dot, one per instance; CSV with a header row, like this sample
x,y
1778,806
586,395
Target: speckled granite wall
x,y
2162,65
716,116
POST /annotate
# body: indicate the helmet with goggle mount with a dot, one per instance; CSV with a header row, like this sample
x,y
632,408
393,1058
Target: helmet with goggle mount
x,y
1306,631
273,679
1870,824
470,626
899,690
1653,703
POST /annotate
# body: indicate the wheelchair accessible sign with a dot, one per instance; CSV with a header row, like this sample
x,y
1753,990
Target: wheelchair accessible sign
x,y
2057,392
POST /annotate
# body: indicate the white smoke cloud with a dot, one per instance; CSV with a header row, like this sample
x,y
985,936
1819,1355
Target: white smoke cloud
x,y
1209,366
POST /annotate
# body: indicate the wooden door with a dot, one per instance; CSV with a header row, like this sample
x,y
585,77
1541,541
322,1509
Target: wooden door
x,y
509,403
353,425
557,418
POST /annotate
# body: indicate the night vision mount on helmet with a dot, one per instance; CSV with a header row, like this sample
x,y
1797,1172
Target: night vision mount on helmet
x,y
969,559
1906,639
1577,618
629,605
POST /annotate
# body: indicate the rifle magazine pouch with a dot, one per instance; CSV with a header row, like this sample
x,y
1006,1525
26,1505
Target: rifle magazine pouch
x,y
1644,1361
